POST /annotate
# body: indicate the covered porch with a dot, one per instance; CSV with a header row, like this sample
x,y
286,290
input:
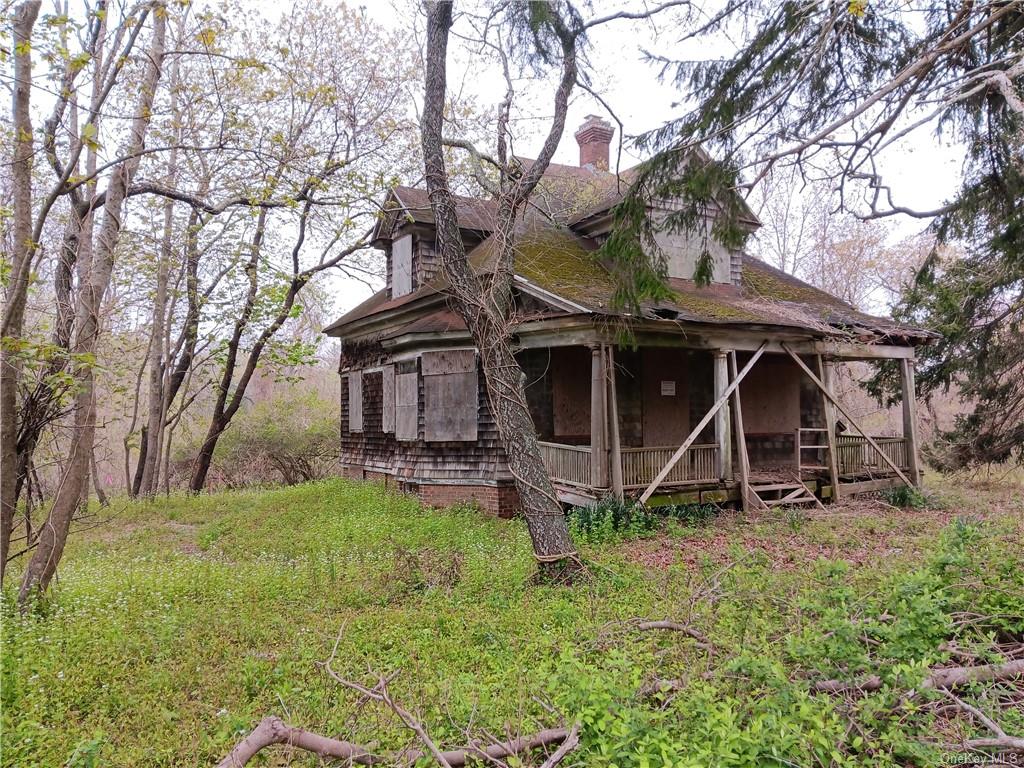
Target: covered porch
x,y
668,424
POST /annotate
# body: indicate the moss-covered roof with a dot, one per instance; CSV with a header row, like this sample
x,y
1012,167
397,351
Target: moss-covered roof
x,y
560,261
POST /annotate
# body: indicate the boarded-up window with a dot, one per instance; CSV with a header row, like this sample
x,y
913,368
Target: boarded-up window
x,y
449,395
387,419
407,406
401,266
355,401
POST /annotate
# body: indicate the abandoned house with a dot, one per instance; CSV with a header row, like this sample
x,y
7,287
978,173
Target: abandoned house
x,y
723,393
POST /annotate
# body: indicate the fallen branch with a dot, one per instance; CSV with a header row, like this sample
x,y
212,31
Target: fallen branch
x,y
946,677
953,677
272,730
1000,741
1012,743
672,626
569,743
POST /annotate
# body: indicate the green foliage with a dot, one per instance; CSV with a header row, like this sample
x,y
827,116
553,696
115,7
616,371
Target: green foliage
x,y
905,496
689,514
293,437
705,206
610,520
200,615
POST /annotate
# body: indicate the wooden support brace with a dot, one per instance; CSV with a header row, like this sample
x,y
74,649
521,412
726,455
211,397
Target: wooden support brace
x,y
699,428
741,443
853,423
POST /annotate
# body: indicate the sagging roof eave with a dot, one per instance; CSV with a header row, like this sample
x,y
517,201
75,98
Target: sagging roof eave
x,y
362,326
549,297
384,317
681,327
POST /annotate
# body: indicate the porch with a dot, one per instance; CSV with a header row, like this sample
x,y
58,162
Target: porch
x,y
664,424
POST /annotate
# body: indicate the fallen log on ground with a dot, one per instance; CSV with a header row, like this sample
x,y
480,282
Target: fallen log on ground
x,y
943,677
272,730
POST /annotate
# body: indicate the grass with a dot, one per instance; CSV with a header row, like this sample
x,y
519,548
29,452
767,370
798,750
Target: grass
x,y
176,625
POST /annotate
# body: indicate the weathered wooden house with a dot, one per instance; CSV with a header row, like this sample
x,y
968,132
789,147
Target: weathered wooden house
x,y
723,395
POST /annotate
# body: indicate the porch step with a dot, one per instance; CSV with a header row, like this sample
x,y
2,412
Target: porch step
x,y
788,494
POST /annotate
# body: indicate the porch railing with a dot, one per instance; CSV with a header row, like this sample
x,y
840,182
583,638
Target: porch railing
x,y
856,456
569,464
641,465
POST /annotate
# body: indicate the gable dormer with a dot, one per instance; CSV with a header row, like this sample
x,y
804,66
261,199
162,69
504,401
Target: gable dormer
x,y
406,234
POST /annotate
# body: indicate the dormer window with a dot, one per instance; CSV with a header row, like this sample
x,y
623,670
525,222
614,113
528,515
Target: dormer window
x,y
401,266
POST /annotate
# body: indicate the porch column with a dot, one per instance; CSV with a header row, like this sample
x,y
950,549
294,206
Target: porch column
x,y
910,419
598,419
615,444
827,369
722,417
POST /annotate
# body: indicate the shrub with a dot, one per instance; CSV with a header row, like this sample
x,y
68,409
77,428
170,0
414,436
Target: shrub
x,y
610,520
691,514
291,439
906,497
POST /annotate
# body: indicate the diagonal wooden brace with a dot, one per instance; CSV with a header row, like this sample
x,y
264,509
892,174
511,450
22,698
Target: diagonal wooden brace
x,y
703,423
839,407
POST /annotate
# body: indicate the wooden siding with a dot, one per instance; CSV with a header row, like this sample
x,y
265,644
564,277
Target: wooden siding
x,y
415,460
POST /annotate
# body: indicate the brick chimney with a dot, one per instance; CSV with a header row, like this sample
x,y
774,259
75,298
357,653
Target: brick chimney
x,y
595,138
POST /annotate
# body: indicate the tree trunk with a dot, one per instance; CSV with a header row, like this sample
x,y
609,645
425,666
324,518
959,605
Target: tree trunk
x,y
156,395
545,520
21,267
94,279
101,495
486,306
201,465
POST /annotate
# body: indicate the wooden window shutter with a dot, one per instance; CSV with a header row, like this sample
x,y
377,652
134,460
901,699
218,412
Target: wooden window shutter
x,y
387,420
401,266
450,395
355,401
407,406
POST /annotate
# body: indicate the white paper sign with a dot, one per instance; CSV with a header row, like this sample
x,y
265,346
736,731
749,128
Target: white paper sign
x,y
668,388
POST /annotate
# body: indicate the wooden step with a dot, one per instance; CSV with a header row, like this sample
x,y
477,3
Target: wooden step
x,y
790,502
786,494
776,487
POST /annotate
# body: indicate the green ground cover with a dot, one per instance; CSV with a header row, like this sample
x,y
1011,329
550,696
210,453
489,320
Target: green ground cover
x,y
177,625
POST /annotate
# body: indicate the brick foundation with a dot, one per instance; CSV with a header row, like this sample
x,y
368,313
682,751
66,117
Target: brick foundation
x,y
499,500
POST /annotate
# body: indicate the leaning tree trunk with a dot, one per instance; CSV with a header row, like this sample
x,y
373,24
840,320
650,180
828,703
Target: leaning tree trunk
x,y
21,266
485,306
94,279
552,544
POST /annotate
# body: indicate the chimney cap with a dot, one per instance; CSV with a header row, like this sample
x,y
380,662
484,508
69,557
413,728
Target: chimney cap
x,y
594,126
595,138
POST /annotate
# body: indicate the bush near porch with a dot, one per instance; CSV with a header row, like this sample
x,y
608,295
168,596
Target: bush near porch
x,y
176,625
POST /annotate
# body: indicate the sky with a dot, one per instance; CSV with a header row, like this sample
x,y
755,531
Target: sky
x,y
921,174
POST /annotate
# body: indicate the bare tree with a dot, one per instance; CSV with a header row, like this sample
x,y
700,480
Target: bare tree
x,y
94,278
21,265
